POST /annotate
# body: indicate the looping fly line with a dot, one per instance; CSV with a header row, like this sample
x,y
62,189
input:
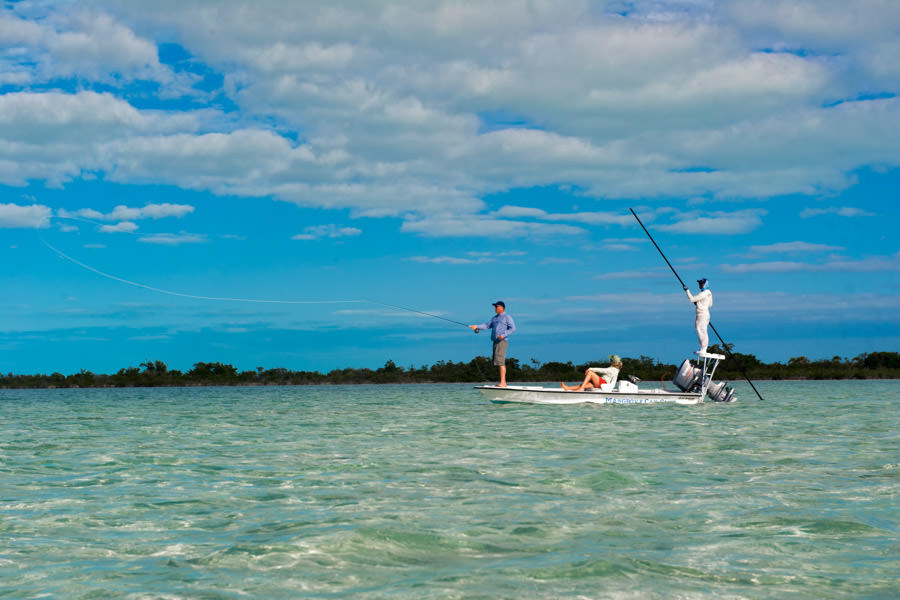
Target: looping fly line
x,y
151,288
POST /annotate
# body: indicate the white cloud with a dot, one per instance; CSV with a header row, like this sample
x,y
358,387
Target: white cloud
x,y
56,137
13,216
586,218
173,239
122,227
393,99
811,307
499,254
717,223
618,247
516,212
316,232
471,258
83,214
150,211
876,264
842,211
793,248
451,260
122,212
635,274
481,226
81,43
126,213
555,260
160,211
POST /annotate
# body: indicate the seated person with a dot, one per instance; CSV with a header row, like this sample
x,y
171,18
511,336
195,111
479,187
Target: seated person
x,y
594,377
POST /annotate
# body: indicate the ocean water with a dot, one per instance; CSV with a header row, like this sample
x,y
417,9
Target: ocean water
x,y
429,491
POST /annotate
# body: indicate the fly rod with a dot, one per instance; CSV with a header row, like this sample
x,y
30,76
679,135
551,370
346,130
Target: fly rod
x,y
412,310
724,345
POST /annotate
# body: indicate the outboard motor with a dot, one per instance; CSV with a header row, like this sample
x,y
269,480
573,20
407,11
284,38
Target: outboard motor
x,y
688,378
719,392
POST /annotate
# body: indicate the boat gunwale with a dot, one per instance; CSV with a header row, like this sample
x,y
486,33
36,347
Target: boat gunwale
x,y
591,392
530,395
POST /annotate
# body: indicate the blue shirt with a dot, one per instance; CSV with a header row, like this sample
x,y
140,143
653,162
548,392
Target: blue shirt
x,y
500,325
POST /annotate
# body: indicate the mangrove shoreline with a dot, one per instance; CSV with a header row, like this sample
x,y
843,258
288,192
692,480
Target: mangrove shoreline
x,y
870,365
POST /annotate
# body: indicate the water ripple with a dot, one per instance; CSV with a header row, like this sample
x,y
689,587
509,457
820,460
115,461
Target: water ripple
x,y
428,491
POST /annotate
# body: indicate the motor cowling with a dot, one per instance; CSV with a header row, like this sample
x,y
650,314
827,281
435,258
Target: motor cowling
x,y
688,378
719,392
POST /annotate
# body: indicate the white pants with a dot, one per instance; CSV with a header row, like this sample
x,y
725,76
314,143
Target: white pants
x,y
701,323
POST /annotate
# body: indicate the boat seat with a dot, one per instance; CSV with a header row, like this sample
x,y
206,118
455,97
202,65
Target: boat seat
x,y
627,386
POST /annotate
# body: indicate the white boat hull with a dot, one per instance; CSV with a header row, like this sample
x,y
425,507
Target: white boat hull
x,y
546,395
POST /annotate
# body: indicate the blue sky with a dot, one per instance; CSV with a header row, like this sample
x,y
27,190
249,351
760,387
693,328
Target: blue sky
x,y
441,156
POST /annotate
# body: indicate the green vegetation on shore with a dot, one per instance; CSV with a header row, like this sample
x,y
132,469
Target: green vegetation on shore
x,y
872,365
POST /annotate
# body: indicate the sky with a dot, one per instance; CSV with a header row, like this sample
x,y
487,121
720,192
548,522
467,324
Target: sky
x,y
253,182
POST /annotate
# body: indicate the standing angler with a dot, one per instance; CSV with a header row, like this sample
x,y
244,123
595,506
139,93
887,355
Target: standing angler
x,y
501,326
702,302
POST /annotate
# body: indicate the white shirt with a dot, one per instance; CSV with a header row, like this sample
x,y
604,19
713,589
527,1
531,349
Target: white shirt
x,y
703,300
609,374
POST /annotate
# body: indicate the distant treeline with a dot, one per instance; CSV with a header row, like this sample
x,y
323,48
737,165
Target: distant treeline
x,y
872,365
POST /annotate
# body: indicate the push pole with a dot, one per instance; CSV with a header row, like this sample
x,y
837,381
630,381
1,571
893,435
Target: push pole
x,y
724,345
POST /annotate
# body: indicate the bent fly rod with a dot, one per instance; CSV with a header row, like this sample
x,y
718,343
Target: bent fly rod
x,y
724,345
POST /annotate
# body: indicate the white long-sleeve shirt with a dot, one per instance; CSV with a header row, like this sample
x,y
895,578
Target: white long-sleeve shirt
x,y
609,374
702,301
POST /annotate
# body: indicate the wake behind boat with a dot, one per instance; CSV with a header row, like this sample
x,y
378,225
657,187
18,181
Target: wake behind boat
x,y
694,382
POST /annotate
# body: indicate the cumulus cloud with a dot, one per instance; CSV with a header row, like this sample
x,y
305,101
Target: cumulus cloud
x,y
122,227
79,42
716,223
14,216
57,137
151,211
127,213
394,102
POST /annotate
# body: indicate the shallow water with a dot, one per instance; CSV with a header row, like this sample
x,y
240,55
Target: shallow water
x,y
429,491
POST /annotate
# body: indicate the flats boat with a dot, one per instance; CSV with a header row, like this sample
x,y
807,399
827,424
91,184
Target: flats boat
x,y
694,382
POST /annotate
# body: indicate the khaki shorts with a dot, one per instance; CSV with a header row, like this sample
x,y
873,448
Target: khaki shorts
x,y
500,353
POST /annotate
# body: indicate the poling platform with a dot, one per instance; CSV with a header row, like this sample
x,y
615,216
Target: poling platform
x,y
695,384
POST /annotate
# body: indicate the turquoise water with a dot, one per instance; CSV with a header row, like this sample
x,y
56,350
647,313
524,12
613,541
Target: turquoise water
x,y
428,491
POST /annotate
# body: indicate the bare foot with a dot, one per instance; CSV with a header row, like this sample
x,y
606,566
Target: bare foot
x,y
501,385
